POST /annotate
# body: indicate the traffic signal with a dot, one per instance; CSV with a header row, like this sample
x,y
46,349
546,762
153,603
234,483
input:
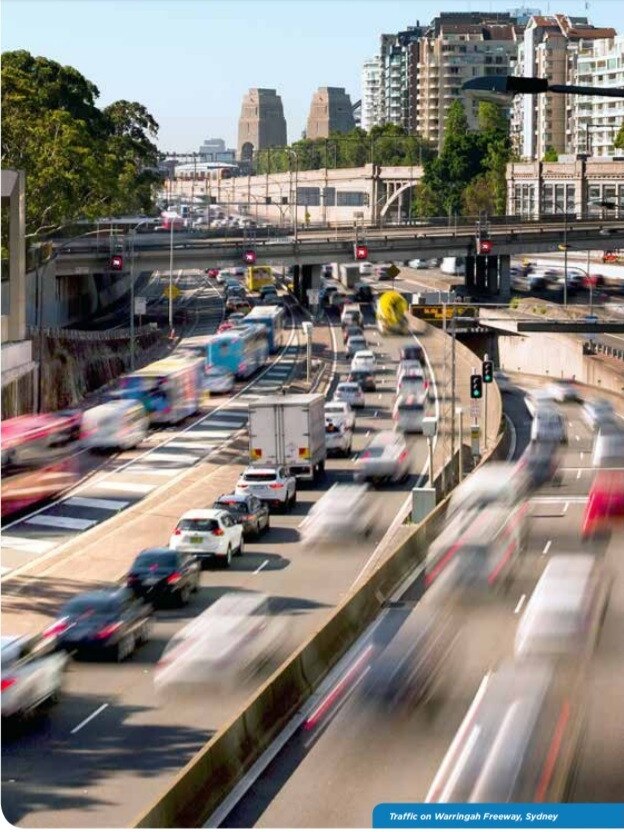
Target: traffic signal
x,y
249,257
360,252
476,387
484,246
116,263
487,371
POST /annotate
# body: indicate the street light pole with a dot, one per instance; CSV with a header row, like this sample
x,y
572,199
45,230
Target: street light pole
x,y
171,276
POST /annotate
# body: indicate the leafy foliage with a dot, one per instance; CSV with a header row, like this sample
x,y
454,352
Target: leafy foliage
x,y
619,138
551,155
80,161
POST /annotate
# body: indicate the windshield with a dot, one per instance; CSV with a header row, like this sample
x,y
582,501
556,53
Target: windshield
x,y
91,606
191,524
256,477
147,559
233,506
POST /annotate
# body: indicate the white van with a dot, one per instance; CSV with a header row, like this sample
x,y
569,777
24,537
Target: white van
x,y
116,424
453,265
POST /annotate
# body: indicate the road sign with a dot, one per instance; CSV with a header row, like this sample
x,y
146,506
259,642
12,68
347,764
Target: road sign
x,y
475,436
360,252
116,263
175,292
435,312
392,271
485,247
313,296
140,306
249,257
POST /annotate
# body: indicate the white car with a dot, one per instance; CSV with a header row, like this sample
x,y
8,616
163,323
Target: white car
x,y
364,360
536,398
408,414
387,457
119,424
564,391
340,412
218,380
366,268
351,393
597,412
409,365
344,515
31,675
357,343
208,532
503,381
271,484
548,425
413,383
418,263
338,437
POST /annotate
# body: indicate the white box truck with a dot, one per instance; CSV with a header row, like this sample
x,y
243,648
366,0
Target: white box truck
x,y
349,274
289,431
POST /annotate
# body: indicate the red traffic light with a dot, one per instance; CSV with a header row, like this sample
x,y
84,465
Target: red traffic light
x,y
485,246
116,263
249,257
360,252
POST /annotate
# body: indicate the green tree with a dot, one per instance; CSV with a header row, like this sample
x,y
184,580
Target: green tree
x,y
619,139
551,155
478,197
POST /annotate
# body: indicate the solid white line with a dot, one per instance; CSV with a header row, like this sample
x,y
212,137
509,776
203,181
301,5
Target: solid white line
x,y
261,567
164,457
565,507
547,547
578,474
131,487
89,718
520,604
514,438
74,523
92,502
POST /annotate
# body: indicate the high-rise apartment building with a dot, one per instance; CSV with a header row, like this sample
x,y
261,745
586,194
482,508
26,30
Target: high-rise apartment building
x,y
214,150
550,48
371,102
331,111
593,121
398,63
261,124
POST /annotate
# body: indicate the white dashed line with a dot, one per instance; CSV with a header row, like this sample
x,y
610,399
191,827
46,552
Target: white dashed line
x,y
520,604
74,523
89,718
566,506
578,474
578,438
261,567
92,502
547,547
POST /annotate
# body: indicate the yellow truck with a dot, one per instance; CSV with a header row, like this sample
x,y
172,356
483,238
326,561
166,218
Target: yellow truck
x,y
391,314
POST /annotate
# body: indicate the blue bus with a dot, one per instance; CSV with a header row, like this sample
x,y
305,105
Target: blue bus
x,y
240,351
272,318
169,389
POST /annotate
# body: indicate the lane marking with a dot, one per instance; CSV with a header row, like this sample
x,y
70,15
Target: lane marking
x,y
578,438
582,455
74,523
92,502
578,474
27,544
520,604
547,547
566,506
131,487
261,567
514,438
201,446
164,457
146,471
89,718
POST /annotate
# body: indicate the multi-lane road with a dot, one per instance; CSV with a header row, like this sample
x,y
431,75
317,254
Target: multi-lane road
x,y
112,745
332,772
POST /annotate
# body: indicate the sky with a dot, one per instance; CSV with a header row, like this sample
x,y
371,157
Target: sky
x,y
191,61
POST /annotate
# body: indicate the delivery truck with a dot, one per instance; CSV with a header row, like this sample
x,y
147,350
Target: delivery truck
x,y
289,431
349,274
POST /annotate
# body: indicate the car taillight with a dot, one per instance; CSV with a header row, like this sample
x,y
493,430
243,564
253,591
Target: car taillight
x,y
56,628
108,631
365,455
174,577
275,485
218,532
132,579
8,682
403,456
177,531
426,385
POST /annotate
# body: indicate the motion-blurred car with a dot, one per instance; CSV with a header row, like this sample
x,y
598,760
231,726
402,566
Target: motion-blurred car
x,y
563,615
351,393
418,263
271,484
218,380
412,383
386,458
32,675
366,268
247,510
236,318
106,621
608,449
356,343
504,382
364,378
115,424
548,425
363,293
338,437
540,463
496,482
537,397
208,533
340,413
604,509
564,391
237,304
598,411
409,365
412,352
224,646
352,331
342,516
408,414
214,273
161,575
364,360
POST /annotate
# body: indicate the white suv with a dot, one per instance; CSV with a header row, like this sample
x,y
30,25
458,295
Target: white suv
x,y
272,485
340,413
31,675
208,532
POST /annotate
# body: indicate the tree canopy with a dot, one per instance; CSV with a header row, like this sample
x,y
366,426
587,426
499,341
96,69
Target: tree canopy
x,y
619,138
80,161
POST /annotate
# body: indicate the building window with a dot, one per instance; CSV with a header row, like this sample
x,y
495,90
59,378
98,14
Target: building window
x,y
329,196
308,196
351,198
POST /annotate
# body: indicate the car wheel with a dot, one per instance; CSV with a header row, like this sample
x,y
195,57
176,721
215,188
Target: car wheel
x,y
184,596
257,529
293,499
228,557
239,550
267,525
124,648
144,632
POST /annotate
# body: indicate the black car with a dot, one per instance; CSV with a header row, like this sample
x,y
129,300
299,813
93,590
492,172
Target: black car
x,y
365,379
246,509
107,621
363,293
161,575
412,352
352,331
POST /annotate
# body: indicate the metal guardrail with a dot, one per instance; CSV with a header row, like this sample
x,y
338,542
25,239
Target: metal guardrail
x,y
96,335
598,348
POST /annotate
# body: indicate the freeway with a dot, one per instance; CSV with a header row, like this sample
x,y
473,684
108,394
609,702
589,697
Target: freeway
x,y
345,757
112,744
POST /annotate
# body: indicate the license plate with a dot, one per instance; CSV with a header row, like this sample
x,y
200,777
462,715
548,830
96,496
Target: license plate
x,y
196,539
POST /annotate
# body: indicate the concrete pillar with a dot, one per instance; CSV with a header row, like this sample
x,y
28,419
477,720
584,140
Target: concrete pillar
x,y
504,276
296,280
470,272
305,284
17,260
491,274
480,273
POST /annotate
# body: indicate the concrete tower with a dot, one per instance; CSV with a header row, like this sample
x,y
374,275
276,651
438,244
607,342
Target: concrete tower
x,y
261,124
331,111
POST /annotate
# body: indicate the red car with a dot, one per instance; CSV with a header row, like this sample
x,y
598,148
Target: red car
x,y
604,510
223,327
212,272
